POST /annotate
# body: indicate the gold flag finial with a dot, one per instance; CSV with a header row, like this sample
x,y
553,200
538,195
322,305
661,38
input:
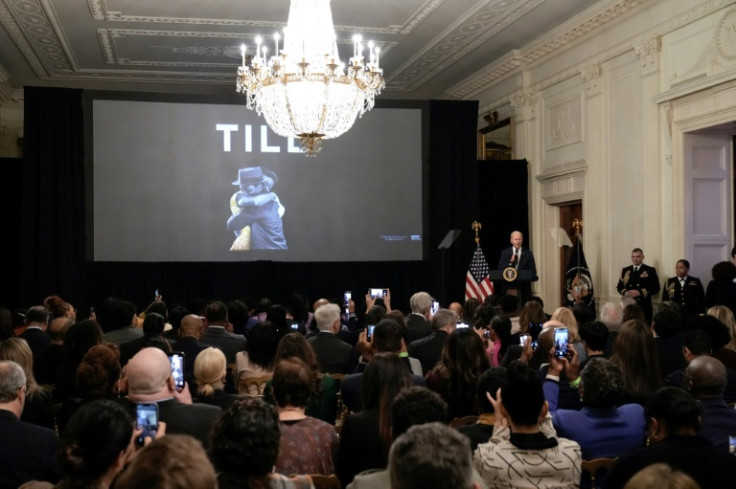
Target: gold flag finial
x,y
476,227
577,225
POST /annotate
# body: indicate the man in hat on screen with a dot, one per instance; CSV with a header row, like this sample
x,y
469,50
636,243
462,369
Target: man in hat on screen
x,y
256,212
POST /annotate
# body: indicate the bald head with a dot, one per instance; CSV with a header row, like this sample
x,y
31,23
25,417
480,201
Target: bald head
x,y
708,377
148,376
457,308
319,303
191,325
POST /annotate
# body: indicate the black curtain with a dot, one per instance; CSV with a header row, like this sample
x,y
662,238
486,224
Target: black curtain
x,y
504,204
11,196
53,242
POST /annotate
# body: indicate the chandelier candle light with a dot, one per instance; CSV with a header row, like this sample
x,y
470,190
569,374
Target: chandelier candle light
x,y
304,90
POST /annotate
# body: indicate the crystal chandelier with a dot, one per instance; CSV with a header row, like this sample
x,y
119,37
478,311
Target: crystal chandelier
x,y
304,90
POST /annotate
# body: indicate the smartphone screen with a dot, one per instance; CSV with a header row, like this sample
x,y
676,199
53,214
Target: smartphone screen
x,y
295,326
146,419
155,295
176,359
561,340
523,338
377,293
347,296
462,325
369,331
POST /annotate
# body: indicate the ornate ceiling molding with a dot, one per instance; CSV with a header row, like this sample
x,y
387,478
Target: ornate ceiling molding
x,y
99,11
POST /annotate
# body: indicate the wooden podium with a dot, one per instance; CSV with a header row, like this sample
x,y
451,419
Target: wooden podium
x,y
511,282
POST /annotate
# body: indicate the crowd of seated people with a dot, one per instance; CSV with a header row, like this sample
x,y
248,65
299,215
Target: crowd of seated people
x,y
335,399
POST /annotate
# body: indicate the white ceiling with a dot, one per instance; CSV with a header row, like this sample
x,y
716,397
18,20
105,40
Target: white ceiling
x,y
192,46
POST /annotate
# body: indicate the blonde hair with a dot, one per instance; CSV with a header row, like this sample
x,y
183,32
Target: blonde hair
x,y
566,317
209,371
725,315
17,350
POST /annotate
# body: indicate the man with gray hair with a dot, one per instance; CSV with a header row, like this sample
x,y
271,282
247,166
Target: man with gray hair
x,y
27,451
334,355
430,456
429,349
417,323
612,315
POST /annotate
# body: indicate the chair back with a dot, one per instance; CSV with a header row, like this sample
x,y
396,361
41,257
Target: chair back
x,y
592,468
253,386
325,481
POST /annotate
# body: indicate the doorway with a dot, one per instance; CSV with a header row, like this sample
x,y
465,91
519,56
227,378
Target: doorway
x,y
568,213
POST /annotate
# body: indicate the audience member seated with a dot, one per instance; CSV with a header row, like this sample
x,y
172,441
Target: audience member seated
x,y
27,451
153,328
611,314
147,378
387,338
176,315
210,370
520,453
94,447
634,312
413,406
80,337
170,462
260,350
308,445
470,305
456,375
245,444
673,420
661,476
323,402
707,377
667,331
488,384
594,336
724,315
431,456
499,339
531,313
569,397
566,317
38,407
117,318
719,335
428,350
366,435
603,427
510,304
97,378
216,333
636,355
190,330
418,322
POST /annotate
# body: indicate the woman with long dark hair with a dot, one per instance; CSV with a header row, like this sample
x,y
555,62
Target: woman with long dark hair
x,y
366,435
636,355
456,375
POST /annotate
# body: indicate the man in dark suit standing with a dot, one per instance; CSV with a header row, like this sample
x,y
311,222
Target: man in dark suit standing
x,y
417,323
520,259
640,282
216,334
685,290
428,350
147,379
334,355
37,318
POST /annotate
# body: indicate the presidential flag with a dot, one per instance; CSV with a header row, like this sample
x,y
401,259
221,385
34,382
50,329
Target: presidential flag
x,y
477,283
578,283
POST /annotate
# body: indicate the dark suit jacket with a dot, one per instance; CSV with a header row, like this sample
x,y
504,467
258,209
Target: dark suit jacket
x,y
526,262
691,297
721,293
334,355
718,422
229,343
678,379
645,281
39,342
428,350
184,419
27,452
417,327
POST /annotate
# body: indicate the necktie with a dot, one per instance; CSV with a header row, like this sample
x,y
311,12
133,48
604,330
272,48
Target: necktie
x,y
636,269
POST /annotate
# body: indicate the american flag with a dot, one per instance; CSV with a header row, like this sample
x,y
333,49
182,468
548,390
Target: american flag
x,y
477,283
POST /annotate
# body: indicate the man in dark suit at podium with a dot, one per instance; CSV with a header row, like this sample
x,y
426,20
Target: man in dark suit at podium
x,y
520,259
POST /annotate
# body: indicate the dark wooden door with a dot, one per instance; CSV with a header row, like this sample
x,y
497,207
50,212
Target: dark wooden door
x,y
568,213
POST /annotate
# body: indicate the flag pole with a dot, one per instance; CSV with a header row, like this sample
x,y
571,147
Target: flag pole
x,y
476,226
